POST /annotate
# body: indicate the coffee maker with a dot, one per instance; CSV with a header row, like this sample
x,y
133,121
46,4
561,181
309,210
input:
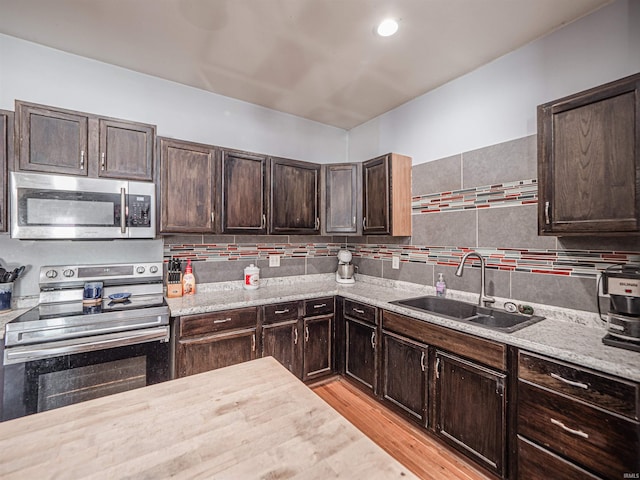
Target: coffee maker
x,y
622,283
345,271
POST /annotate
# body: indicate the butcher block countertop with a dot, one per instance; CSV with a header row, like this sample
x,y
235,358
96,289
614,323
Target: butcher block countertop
x,y
252,420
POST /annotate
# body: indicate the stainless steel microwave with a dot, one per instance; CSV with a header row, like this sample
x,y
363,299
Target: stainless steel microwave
x,y
65,207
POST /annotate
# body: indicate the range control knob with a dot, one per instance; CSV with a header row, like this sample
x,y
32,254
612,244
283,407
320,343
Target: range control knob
x,y
140,270
153,269
51,274
68,273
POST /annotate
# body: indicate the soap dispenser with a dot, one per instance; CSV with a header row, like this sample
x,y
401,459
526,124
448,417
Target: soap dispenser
x,y
441,286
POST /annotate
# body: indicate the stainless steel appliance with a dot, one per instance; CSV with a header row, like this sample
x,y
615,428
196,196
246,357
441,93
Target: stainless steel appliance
x,y
66,207
346,270
64,351
622,283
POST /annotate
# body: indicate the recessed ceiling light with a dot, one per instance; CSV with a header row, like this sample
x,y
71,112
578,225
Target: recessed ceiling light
x,y
387,27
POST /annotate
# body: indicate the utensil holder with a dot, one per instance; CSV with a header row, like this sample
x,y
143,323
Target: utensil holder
x,y
6,289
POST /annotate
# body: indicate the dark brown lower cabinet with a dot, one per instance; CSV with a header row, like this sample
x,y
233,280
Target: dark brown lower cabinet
x,y
535,462
318,347
405,376
281,341
208,341
201,354
360,354
471,409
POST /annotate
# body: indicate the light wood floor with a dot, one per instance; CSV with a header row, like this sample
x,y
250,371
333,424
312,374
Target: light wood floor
x,y
421,454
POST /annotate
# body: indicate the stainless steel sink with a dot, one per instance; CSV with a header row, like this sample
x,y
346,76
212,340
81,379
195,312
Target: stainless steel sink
x,y
492,318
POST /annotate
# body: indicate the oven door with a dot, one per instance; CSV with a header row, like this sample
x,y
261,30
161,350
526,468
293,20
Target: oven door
x,y
54,381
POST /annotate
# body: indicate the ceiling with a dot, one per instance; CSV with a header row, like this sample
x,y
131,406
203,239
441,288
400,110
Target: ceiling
x,y
317,59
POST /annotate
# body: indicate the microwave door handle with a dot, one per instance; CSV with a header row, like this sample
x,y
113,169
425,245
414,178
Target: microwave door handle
x,y
123,210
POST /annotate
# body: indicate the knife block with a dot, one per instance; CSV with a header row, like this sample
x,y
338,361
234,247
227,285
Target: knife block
x,y
174,289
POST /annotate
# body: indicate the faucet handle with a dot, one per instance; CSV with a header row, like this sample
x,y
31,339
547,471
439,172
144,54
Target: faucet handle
x,y
488,301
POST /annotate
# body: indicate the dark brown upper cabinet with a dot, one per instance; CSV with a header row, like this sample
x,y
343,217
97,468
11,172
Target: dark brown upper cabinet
x,y
188,187
295,197
589,161
6,152
126,150
386,195
54,140
341,194
244,198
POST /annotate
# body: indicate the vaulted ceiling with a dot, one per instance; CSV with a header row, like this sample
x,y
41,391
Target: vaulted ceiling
x,y
317,59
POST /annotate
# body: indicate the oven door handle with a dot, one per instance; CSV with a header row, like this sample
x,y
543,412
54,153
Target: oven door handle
x,y
82,345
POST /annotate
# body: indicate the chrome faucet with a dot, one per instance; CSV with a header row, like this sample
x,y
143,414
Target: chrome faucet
x,y
484,298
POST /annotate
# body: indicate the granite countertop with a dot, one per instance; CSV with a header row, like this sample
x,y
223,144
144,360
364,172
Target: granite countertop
x,y
568,335
251,420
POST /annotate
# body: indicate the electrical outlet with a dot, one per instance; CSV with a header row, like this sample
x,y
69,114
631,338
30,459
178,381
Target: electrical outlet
x,y
395,263
274,260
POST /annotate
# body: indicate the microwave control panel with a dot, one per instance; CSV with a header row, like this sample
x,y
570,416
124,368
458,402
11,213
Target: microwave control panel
x,y
139,211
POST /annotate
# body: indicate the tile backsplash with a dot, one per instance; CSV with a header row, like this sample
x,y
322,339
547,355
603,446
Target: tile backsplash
x,y
485,200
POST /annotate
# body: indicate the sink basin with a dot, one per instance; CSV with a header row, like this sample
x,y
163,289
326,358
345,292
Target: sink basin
x,y
443,306
492,318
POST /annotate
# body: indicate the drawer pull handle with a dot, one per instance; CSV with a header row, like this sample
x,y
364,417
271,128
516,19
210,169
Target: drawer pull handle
x,y
373,340
578,433
253,342
280,312
569,382
422,365
295,336
320,306
306,333
361,312
222,320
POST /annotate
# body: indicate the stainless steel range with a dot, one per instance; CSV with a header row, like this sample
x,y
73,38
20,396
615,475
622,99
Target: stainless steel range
x,y
68,350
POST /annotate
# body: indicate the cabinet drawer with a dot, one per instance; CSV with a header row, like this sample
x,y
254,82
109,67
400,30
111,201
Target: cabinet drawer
x,y
535,462
360,311
319,306
484,351
600,441
610,393
193,325
280,312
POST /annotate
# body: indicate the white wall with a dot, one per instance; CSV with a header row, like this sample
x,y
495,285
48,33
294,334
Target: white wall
x,y
40,74
497,102
43,75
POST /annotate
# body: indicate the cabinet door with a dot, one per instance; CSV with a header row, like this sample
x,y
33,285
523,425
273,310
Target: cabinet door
x,y
360,354
126,150
187,183
243,193
201,354
318,348
405,376
295,197
471,409
375,196
281,341
589,161
341,198
6,150
52,141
